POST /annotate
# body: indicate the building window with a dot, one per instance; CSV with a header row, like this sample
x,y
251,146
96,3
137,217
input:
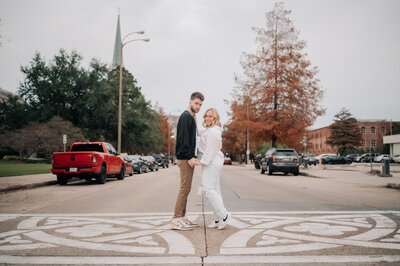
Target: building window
x,y
373,143
383,130
362,130
373,130
363,143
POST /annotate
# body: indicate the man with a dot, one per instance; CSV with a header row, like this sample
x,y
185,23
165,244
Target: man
x,y
185,154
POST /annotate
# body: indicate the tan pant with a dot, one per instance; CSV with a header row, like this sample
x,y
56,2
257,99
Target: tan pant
x,y
185,185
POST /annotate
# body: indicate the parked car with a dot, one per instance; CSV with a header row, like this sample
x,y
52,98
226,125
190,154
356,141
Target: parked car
x,y
151,162
308,156
378,159
162,160
88,160
368,157
334,159
257,161
324,155
396,158
139,165
352,157
128,165
280,160
227,160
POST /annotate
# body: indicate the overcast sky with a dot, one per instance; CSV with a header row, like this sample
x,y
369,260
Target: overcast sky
x,y
197,45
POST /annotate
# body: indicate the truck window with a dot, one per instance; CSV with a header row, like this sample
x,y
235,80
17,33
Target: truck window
x,y
87,147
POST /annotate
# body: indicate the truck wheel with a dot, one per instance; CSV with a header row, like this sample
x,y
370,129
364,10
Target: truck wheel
x,y
88,178
121,174
102,176
62,180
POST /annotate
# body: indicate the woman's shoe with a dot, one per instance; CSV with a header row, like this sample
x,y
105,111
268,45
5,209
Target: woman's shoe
x,y
224,221
213,224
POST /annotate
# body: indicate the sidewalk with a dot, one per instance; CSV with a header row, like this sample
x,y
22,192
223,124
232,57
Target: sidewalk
x,y
26,182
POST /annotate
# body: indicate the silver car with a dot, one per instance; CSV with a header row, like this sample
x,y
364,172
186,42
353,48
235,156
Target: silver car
x,y
280,160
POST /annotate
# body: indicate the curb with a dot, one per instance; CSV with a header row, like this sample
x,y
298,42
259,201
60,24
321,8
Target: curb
x,y
393,185
308,175
8,188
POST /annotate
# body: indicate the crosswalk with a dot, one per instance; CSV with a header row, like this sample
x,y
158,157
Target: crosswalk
x,y
251,237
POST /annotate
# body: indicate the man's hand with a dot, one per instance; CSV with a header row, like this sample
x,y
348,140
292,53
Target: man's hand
x,y
192,162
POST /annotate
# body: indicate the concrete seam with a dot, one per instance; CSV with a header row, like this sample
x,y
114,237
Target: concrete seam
x,y
205,229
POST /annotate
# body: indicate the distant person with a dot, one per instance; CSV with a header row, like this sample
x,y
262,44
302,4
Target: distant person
x,y
185,154
211,159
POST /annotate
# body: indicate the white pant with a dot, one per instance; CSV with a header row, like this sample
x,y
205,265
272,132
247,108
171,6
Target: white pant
x,y
211,189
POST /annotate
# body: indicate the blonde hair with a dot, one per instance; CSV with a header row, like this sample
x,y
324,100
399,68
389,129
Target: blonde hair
x,y
215,115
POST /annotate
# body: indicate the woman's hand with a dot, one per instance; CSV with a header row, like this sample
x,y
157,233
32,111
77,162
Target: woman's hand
x,y
197,162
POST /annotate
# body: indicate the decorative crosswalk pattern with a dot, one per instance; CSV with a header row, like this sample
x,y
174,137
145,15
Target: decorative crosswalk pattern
x,y
256,237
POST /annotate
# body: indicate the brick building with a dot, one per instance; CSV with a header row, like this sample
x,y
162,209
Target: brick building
x,y
372,135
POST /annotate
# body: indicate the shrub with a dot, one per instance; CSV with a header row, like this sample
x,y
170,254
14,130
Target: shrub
x,y
11,158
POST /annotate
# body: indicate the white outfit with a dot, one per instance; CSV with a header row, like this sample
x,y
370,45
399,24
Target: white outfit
x,y
212,159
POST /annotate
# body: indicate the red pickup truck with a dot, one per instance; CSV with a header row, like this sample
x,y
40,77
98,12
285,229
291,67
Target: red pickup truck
x,y
88,160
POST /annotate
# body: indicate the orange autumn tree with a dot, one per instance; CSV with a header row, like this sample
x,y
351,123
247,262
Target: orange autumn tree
x,y
278,85
164,128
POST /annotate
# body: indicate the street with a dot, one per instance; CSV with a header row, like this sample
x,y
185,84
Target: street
x,y
337,217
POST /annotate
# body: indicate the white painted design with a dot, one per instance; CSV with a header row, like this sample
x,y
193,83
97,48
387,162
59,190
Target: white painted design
x,y
249,233
320,229
130,233
279,232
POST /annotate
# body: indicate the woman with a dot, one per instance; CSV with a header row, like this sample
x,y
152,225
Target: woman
x,y
211,159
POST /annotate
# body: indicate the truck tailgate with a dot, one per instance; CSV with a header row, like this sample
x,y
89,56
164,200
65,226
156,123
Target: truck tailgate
x,y
72,159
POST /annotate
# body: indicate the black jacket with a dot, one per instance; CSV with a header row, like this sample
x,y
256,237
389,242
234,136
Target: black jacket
x,y
186,137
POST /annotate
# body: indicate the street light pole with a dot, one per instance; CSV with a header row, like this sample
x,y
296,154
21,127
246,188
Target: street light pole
x,y
120,84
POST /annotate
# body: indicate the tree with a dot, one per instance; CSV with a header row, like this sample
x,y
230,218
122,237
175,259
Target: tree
x,y
278,83
14,113
89,99
345,133
43,138
168,146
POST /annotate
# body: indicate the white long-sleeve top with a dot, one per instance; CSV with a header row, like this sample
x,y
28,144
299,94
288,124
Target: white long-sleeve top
x,y
210,144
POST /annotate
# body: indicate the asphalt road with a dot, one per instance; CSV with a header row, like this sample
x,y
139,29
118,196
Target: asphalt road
x,y
341,217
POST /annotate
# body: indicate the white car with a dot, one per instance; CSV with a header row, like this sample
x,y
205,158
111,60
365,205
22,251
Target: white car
x,y
378,159
396,158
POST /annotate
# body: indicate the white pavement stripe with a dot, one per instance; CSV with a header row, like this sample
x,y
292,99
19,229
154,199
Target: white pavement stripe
x,y
371,234
121,236
97,260
29,223
278,249
240,239
301,259
26,246
177,243
41,236
333,240
170,214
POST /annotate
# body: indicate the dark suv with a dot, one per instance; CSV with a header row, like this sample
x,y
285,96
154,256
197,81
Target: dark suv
x,y
280,160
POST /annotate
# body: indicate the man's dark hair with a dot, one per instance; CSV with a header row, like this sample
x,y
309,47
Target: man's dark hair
x,y
197,95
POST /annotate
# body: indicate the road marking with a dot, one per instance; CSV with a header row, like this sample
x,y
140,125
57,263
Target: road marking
x,y
301,259
197,260
248,233
67,260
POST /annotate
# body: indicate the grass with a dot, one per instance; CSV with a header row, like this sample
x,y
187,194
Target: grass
x,y
14,168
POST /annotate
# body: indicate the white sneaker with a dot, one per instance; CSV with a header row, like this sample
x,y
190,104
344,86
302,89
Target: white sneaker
x,y
213,224
224,222
189,223
178,224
